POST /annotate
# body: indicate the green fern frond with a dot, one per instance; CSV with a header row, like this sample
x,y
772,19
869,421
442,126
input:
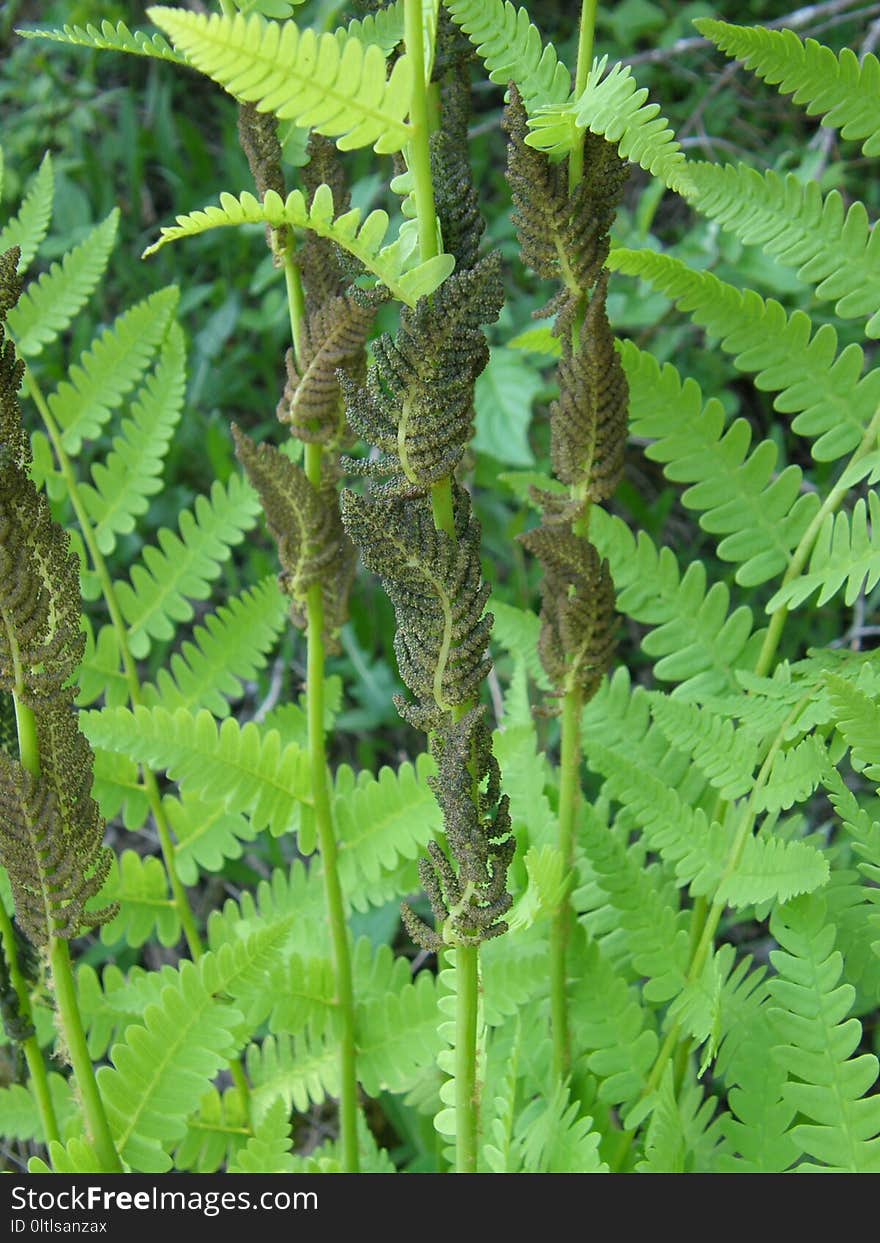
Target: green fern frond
x,y
246,768
841,89
696,641
268,1149
846,554
826,1083
118,788
363,240
78,1156
182,567
835,248
727,756
227,649
794,775
139,885
761,514
207,835
682,1134
20,1120
131,472
398,1037
50,303
214,1134
613,105
295,893
384,28
826,391
320,81
113,37
513,971
381,822
27,229
768,869
100,671
513,49
297,1069
858,719
110,368
554,1139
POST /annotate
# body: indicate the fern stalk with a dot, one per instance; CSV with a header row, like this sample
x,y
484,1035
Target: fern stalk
x,y
64,989
569,798
586,37
33,1054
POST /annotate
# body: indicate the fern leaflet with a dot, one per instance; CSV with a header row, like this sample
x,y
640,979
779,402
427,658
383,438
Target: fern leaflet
x,y
140,886
50,303
363,240
183,566
846,554
513,49
320,81
110,368
247,769
832,400
835,248
826,1083
227,649
614,106
840,89
110,37
27,229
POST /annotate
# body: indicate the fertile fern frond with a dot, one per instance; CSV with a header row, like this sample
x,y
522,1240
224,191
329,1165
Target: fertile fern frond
x,y
435,584
613,105
697,641
226,650
513,49
326,268
835,248
456,199
304,521
417,405
49,304
563,235
846,554
842,89
113,37
760,514
363,240
826,391
826,1083
182,567
469,904
577,612
247,769
30,225
588,421
110,368
333,340
319,81
132,470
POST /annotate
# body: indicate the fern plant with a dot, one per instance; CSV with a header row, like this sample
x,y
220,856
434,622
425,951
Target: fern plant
x,y
601,869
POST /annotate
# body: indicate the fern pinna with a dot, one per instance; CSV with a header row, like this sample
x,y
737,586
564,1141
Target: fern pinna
x,y
717,799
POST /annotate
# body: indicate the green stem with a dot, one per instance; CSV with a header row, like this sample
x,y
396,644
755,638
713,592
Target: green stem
x,y
327,843
33,1054
65,989
586,38
419,150
75,1039
467,984
569,800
